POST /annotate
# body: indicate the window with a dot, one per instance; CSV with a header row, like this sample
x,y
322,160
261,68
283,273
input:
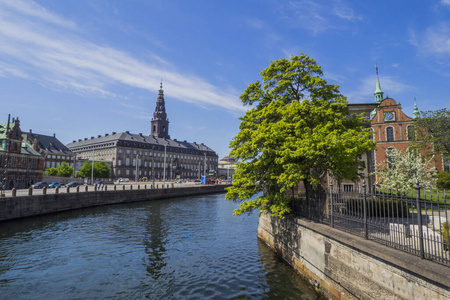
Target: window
x,y
389,134
411,133
134,162
119,162
127,172
119,151
128,151
127,162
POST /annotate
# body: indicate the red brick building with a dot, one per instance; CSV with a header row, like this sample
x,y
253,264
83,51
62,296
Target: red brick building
x,y
21,164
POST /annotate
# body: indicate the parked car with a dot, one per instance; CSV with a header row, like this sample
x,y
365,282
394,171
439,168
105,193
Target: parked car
x,y
40,185
73,184
55,184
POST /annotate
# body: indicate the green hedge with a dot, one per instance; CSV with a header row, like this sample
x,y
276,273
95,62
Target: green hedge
x,y
379,208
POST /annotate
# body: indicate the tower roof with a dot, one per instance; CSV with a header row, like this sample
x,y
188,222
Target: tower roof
x,y
378,92
416,113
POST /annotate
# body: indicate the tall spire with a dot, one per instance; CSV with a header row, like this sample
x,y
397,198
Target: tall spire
x,y
378,92
416,113
161,91
160,122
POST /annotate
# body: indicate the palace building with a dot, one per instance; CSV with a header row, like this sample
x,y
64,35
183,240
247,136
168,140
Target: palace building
x,y
153,156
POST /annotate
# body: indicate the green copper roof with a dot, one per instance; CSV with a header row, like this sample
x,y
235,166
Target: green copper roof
x,y
378,92
416,113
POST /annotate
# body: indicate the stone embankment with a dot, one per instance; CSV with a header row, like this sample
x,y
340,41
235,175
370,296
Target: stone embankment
x,y
345,266
74,198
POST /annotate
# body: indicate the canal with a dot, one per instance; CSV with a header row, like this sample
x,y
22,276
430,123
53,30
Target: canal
x,y
184,248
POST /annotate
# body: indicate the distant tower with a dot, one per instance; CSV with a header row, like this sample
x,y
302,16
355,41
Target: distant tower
x,y
160,123
416,113
378,92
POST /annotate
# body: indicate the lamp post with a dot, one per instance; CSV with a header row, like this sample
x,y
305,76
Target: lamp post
x,y
137,168
92,173
165,146
204,167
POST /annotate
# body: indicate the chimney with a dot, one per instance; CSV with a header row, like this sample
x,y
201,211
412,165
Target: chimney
x,y
31,131
114,132
92,137
99,135
106,134
54,135
36,143
127,132
73,141
79,140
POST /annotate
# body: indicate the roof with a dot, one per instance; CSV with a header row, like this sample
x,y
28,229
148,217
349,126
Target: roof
x,y
26,148
48,143
3,129
128,139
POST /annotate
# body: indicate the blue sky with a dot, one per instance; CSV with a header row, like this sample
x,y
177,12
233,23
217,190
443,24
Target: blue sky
x,y
82,68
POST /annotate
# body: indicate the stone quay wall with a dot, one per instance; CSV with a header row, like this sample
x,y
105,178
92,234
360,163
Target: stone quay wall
x,y
26,206
345,266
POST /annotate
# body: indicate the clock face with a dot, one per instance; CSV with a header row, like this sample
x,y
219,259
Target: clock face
x,y
389,116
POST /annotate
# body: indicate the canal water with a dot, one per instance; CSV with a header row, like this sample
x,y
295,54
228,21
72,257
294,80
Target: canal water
x,y
184,248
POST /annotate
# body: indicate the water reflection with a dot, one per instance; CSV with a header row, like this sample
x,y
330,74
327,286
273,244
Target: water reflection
x,y
187,248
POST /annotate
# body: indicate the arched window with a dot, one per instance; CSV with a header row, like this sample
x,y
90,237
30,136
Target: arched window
x,y
127,161
390,134
154,128
389,157
164,129
411,133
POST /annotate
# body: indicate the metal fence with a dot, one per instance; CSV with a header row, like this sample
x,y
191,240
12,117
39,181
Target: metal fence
x,y
415,221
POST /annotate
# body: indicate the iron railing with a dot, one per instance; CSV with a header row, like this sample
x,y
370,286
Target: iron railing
x,y
415,221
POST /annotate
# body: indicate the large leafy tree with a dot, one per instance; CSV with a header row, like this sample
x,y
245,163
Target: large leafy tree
x,y
403,169
297,130
101,170
65,170
433,128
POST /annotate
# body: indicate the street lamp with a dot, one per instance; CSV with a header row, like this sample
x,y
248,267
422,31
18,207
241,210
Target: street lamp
x,y
137,168
165,146
92,173
204,168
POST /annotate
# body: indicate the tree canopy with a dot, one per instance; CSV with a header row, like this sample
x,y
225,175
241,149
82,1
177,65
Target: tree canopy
x,y
64,170
433,128
101,170
298,129
403,169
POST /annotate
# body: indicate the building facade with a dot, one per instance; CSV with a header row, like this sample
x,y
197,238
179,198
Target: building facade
x,y
154,156
53,150
21,164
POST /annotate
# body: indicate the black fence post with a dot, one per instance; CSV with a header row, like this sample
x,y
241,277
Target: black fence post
x,y
419,220
331,204
366,233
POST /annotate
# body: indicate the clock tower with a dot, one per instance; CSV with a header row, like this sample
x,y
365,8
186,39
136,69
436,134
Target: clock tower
x,y
160,122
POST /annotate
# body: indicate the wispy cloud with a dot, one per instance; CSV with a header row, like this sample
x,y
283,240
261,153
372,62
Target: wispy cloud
x,y
318,16
390,86
433,46
58,55
445,2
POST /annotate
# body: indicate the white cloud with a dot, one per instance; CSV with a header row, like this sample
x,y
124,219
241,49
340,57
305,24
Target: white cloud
x,y
57,55
389,85
445,2
318,16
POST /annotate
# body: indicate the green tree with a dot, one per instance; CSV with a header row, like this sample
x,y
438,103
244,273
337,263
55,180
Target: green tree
x,y
433,128
402,170
51,172
443,180
297,130
65,170
101,170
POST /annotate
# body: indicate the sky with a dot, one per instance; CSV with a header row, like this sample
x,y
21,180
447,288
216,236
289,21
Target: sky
x,y
82,68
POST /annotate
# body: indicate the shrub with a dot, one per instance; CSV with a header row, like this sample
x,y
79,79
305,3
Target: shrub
x,y
445,231
443,180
